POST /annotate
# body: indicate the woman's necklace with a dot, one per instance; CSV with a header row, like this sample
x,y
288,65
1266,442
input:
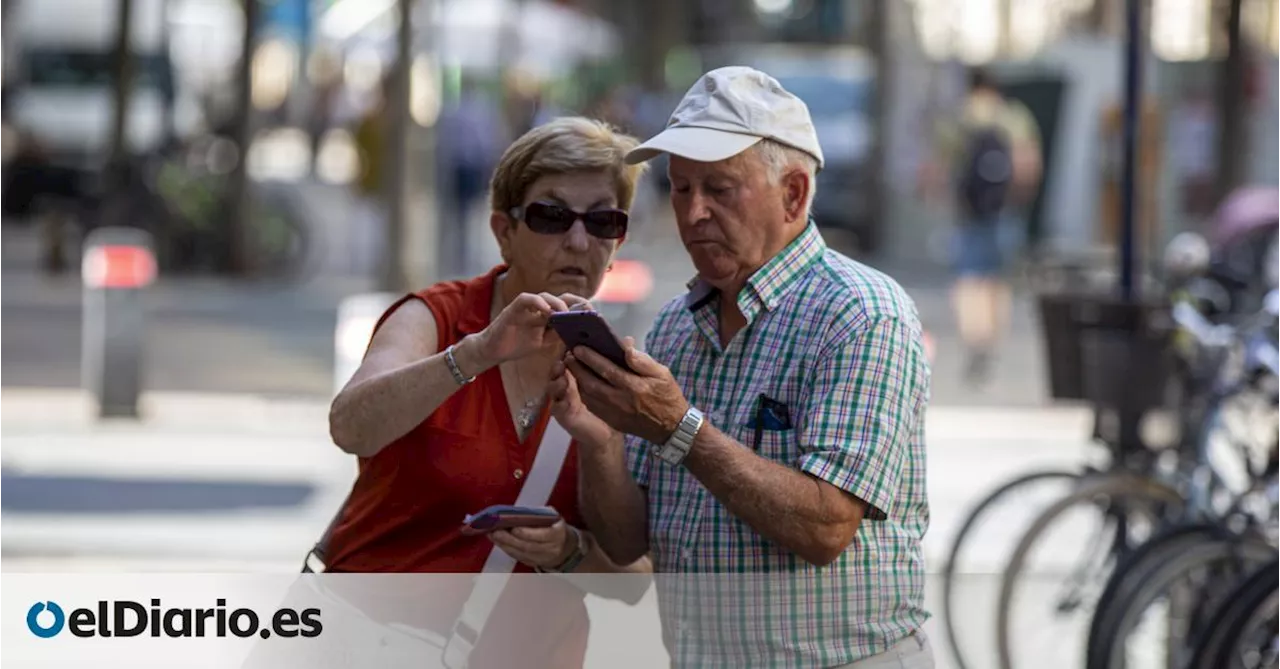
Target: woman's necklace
x,y
529,412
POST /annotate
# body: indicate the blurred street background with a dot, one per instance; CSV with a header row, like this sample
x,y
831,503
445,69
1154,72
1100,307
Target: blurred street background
x,y
287,155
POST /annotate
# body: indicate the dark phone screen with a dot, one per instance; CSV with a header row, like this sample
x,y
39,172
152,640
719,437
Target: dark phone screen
x,y
590,329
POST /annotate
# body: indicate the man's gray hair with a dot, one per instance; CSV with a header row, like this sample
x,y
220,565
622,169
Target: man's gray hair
x,y
778,157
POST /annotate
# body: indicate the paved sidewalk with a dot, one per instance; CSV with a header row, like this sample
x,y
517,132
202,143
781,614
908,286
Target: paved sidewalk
x,y
202,477
253,445
192,442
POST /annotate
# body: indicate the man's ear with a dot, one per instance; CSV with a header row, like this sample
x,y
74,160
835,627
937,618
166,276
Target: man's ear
x,y
796,186
504,231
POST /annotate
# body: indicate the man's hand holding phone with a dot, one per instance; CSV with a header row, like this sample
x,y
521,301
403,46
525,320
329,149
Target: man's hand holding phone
x,y
644,400
586,327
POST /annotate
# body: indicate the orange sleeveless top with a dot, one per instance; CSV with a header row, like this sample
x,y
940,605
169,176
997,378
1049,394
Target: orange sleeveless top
x,y
408,502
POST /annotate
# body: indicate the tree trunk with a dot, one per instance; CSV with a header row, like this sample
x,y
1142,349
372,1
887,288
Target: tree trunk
x,y
394,278
1097,17
1004,21
238,206
123,76
171,87
10,54
876,29
1232,115
657,31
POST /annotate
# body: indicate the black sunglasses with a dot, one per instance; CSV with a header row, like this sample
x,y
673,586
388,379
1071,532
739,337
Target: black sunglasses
x,y
552,219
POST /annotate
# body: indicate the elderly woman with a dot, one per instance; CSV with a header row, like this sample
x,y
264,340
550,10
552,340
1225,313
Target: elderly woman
x,y
448,409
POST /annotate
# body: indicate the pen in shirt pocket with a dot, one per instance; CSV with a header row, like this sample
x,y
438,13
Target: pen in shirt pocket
x,y
770,415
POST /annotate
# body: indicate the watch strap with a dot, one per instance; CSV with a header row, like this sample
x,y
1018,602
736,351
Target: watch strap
x,y
681,441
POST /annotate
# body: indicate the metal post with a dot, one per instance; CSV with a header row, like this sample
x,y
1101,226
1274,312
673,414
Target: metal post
x,y
1232,113
1132,122
118,266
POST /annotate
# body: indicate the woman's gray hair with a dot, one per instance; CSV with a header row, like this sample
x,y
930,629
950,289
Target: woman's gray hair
x,y
778,157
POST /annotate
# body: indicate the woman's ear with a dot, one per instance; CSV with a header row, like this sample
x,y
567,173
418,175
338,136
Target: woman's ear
x,y
504,230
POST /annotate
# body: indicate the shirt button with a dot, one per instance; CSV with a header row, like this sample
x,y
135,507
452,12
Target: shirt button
x,y
685,553
518,474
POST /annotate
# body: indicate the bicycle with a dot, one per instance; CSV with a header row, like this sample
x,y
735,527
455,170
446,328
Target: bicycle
x,y
1043,487
1243,635
1191,536
1179,573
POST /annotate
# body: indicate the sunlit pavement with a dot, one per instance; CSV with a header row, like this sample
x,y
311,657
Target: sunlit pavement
x,y
223,463
208,479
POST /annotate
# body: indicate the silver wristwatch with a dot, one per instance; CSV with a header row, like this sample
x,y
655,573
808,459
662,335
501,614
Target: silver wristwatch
x,y
677,447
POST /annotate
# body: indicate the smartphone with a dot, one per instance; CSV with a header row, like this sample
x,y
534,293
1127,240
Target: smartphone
x,y
505,516
590,329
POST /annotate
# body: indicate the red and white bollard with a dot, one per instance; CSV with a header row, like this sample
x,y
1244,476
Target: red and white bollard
x,y
117,267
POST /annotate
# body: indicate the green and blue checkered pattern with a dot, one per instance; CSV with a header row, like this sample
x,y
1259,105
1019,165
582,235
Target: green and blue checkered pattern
x,y
841,345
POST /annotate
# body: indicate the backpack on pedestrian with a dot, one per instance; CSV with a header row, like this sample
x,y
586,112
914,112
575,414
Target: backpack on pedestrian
x,y
986,174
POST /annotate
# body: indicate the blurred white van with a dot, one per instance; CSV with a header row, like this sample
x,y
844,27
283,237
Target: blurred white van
x,y
61,89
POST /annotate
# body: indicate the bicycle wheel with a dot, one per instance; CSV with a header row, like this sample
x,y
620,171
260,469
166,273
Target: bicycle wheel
x,y
1128,576
1129,508
966,576
1243,635
1173,600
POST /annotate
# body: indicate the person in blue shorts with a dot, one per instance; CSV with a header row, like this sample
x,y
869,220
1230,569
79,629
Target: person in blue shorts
x,y
991,155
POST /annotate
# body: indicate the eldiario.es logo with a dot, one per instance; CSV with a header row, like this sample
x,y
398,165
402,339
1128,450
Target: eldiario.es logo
x,y
125,618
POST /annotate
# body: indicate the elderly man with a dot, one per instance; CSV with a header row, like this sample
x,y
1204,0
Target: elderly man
x,y
776,433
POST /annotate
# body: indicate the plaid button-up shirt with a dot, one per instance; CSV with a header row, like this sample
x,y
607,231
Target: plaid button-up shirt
x,y
840,345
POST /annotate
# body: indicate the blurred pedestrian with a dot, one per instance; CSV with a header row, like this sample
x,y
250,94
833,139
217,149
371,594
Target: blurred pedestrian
x,y
990,157
448,409
325,91
471,136
774,429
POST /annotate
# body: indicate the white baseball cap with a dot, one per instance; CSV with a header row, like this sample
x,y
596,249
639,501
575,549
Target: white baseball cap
x,y
728,111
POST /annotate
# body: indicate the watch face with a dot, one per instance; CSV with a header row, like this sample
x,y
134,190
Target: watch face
x,y
671,454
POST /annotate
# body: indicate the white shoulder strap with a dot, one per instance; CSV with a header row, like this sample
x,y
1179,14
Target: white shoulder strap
x,y
497,569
